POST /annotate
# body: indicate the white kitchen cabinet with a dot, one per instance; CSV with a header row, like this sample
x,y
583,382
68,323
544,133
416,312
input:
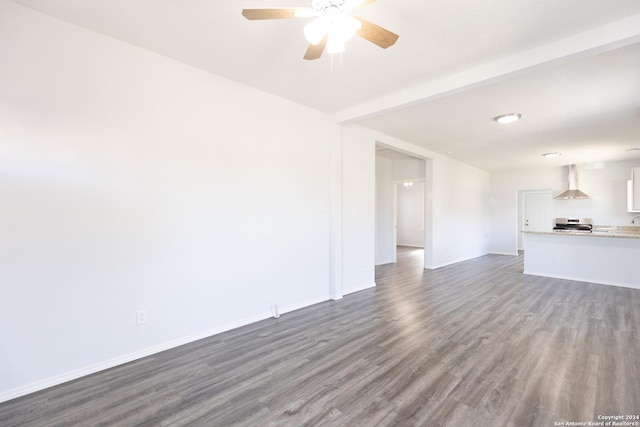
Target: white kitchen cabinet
x,y
634,191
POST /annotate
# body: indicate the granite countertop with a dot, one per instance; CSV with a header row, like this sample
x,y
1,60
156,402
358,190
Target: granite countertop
x,y
611,231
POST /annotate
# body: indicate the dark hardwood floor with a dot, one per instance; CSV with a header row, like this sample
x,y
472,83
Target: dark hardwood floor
x,y
472,344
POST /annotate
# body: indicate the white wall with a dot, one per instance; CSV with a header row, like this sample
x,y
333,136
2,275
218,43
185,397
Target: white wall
x,y
385,239
130,181
461,211
605,183
358,207
408,168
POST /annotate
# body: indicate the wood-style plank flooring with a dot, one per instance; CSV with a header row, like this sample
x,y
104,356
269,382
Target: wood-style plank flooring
x,y
472,344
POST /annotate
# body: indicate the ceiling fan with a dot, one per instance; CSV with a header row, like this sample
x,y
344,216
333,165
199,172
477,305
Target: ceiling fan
x,y
332,27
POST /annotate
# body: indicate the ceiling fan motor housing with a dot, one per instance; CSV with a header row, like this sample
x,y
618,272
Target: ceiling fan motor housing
x,y
330,7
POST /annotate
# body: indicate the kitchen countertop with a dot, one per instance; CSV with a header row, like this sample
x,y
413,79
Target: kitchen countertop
x,y
607,231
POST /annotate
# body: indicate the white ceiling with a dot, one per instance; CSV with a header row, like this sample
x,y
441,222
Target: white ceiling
x,y
571,67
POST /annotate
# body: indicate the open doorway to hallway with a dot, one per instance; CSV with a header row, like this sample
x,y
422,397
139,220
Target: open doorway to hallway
x,y
400,203
411,256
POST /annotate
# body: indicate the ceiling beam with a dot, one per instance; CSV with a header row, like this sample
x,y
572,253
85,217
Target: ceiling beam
x,y
608,37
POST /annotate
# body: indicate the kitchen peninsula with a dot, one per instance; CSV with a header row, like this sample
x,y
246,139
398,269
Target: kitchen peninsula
x,y
608,255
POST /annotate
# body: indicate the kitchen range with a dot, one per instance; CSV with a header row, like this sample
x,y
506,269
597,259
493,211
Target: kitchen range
x,y
580,225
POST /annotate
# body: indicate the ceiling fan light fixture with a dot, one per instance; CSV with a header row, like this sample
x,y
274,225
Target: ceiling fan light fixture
x,y
315,30
346,27
334,44
507,118
339,28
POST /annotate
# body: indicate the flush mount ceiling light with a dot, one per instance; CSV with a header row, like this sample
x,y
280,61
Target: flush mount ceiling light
x,y
551,155
507,118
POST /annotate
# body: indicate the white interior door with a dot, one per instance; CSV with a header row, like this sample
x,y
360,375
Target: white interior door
x,y
537,212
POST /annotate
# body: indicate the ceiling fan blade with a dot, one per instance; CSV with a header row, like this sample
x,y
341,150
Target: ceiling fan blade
x,y
314,51
376,34
288,13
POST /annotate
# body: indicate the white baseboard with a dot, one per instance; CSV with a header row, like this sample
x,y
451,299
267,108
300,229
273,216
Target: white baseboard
x,y
308,303
120,360
456,261
581,279
360,288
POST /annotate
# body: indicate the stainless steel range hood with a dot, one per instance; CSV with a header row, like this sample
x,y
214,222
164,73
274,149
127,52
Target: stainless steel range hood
x,y
572,192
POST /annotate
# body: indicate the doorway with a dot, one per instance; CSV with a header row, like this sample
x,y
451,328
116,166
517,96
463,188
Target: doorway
x,y
401,194
534,212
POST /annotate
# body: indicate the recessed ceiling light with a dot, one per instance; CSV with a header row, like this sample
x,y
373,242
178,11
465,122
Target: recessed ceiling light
x,y
548,155
507,118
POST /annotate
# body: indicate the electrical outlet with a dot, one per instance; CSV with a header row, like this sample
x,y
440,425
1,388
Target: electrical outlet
x,y
142,317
